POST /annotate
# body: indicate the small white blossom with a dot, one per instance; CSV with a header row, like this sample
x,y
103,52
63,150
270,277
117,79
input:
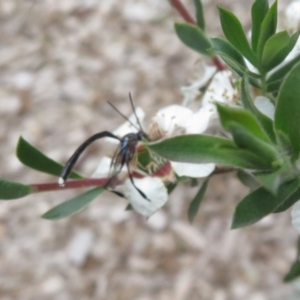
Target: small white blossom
x,y
153,188
172,119
220,89
192,91
199,121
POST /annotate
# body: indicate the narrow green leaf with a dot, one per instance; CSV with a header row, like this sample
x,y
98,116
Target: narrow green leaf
x,y
247,140
193,37
273,46
293,273
287,113
268,28
222,46
277,48
247,179
289,202
195,204
270,181
274,81
265,122
233,59
12,190
207,149
199,14
235,34
260,203
73,205
33,158
258,12
229,114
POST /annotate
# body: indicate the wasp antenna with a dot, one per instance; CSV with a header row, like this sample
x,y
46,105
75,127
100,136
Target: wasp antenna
x,y
134,111
122,114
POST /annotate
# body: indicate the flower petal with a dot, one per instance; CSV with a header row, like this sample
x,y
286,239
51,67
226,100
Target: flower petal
x,y
103,167
192,170
220,89
154,189
192,91
296,216
199,121
265,106
171,119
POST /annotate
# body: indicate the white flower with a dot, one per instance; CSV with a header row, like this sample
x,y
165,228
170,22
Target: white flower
x,y
220,89
296,216
155,190
192,91
175,119
171,120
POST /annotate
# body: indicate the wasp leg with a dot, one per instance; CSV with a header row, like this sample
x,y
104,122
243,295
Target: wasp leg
x,y
118,193
132,181
71,162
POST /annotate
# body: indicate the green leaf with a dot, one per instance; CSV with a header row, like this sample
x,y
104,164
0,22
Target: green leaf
x,y
12,190
268,28
235,34
207,149
229,54
293,273
229,114
287,113
247,140
260,203
226,49
33,158
290,201
73,205
258,12
233,59
274,81
247,179
265,122
195,204
270,181
199,14
193,37
277,48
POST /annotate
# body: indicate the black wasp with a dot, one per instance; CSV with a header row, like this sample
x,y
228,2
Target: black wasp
x,y
122,157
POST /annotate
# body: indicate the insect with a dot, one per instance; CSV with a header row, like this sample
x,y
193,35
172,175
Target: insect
x,y
122,157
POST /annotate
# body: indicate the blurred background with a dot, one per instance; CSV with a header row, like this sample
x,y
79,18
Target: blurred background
x,y
60,61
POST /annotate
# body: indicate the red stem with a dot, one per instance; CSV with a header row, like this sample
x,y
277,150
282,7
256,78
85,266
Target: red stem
x,y
188,18
183,11
88,182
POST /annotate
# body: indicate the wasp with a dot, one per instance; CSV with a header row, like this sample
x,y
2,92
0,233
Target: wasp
x,y
122,157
